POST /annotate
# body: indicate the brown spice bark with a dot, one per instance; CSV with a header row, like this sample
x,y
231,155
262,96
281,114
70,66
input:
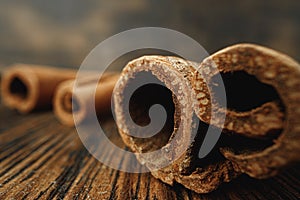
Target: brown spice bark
x,y
283,74
31,87
258,141
82,99
176,74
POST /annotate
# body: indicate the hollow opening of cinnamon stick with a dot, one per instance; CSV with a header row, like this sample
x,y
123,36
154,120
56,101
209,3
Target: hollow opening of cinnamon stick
x,y
18,88
244,92
141,101
68,105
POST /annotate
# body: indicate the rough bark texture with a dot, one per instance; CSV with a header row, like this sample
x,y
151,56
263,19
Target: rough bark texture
x,y
176,74
258,139
283,74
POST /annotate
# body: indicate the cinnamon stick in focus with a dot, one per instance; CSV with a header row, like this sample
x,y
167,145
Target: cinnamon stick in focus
x,y
261,131
83,98
177,97
280,113
31,87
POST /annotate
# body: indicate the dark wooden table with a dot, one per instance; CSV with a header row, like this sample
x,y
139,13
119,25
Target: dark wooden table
x,y
42,159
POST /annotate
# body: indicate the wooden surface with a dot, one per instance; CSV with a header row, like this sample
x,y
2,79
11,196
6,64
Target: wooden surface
x,y
41,159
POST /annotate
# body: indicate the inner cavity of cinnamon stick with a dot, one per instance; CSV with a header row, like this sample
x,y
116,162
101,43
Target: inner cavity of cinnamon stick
x,y
69,104
141,101
18,88
244,92
64,104
248,99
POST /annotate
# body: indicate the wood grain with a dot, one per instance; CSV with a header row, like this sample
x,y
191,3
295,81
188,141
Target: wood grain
x,y
41,159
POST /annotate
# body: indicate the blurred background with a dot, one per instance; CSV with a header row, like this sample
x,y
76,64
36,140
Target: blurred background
x,y
62,32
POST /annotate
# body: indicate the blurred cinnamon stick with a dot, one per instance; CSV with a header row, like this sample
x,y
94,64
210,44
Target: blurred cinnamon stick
x,y
65,98
31,87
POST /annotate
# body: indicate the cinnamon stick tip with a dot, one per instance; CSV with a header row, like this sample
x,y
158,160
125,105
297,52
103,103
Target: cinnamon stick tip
x,y
19,91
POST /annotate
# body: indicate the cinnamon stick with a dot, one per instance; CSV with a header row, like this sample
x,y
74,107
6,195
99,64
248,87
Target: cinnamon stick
x,y
176,74
262,64
282,73
261,131
64,96
31,87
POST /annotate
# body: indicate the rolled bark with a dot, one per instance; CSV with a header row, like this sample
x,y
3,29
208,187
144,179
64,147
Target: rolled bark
x,y
282,73
176,74
258,139
261,63
82,99
31,87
